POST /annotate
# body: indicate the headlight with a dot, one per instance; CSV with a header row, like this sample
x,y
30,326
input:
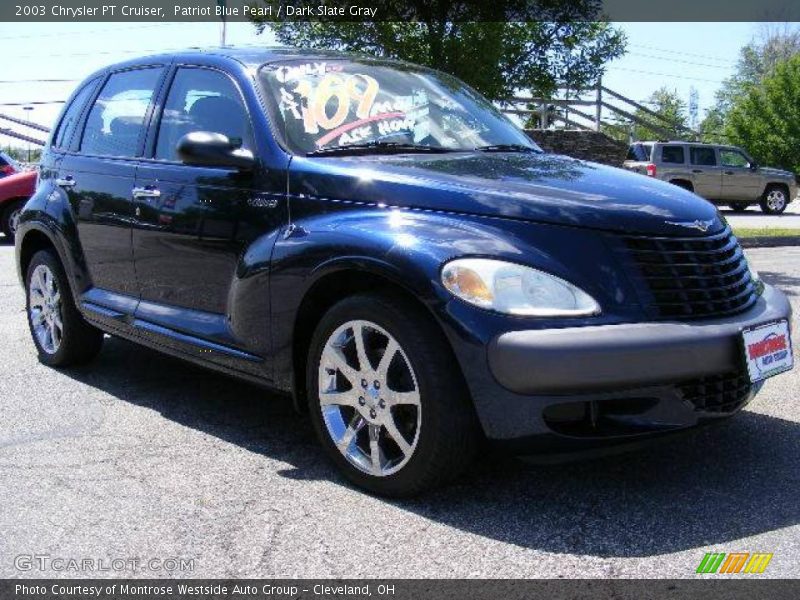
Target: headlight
x,y
515,289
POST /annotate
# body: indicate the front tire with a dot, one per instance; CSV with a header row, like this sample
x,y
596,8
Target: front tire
x,y
61,335
9,219
775,200
386,397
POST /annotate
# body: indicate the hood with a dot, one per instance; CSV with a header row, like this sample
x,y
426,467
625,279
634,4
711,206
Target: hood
x,y
776,172
537,187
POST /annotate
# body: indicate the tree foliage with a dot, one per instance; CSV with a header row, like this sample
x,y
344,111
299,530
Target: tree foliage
x,y
568,46
21,154
712,127
766,119
673,118
775,44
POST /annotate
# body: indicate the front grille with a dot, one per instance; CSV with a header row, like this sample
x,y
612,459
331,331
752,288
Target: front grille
x,y
691,278
717,393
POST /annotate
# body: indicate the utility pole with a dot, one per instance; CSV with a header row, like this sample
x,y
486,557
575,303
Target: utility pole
x,y
598,109
28,110
224,26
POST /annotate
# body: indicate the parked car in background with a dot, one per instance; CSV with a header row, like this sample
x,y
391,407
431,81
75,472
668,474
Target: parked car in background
x,y
14,192
8,166
721,174
377,240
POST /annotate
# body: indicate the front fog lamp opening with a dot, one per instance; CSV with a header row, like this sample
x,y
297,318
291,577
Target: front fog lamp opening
x,y
515,289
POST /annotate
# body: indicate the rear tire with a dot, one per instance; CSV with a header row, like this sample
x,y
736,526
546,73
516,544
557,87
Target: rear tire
x,y
421,396
775,199
61,335
9,219
739,207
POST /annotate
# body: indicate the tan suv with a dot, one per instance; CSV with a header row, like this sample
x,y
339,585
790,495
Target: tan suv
x,y
721,174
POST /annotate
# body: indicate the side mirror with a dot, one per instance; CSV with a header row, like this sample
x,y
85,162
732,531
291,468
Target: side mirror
x,y
209,149
754,166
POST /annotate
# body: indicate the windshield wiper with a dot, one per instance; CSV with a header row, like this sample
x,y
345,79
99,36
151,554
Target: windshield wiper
x,y
378,148
507,148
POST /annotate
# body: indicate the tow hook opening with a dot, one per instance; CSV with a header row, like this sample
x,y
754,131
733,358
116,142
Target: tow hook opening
x,y
603,418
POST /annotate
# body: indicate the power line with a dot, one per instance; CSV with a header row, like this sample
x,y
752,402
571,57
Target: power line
x,y
10,81
101,53
68,33
677,60
33,103
682,53
665,74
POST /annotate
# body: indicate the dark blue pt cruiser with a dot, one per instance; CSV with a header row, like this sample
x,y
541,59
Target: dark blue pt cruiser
x,y
376,239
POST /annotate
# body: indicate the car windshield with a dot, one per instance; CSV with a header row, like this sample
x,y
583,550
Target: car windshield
x,y
342,105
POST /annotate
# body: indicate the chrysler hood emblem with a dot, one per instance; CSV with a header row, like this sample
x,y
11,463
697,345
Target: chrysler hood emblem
x,y
698,224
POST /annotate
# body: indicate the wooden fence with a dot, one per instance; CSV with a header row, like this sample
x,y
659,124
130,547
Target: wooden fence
x,y
590,109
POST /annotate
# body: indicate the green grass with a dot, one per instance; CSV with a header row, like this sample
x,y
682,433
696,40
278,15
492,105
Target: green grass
x,y
750,232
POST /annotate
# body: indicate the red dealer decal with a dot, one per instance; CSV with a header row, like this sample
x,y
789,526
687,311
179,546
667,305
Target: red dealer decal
x,y
767,346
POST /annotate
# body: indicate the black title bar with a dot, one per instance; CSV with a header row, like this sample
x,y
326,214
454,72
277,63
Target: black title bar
x,y
398,10
400,589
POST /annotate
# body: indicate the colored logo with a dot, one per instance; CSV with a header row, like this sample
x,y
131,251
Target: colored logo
x,y
773,348
734,562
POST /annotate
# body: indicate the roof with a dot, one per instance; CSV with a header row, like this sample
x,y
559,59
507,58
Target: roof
x,y
249,56
256,55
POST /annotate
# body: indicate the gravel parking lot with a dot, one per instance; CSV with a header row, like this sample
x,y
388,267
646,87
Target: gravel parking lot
x,y
142,456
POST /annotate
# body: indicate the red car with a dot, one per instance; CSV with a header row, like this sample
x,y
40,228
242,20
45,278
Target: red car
x,y
8,166
14,193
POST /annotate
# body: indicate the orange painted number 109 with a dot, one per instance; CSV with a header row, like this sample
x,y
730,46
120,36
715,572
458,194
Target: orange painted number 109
x,y
345,88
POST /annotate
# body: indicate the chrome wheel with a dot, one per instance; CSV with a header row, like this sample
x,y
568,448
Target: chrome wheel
x,y
44,307
776,200
369,398
13,220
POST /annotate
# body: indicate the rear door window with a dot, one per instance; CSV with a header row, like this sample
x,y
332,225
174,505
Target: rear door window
x,y
72,116
703,156
673,154
116,124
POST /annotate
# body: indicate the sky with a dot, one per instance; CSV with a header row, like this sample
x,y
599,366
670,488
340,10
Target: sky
x,y
676,55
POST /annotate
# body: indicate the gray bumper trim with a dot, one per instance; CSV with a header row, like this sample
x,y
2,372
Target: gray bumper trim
x,y
614,357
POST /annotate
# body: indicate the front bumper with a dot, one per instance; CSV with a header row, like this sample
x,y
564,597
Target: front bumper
x,y
607,357
617,381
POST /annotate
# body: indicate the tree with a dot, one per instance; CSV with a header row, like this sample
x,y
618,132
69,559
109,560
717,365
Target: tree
x,y
673,119
766,119
712,127
757,60
21,154
498,58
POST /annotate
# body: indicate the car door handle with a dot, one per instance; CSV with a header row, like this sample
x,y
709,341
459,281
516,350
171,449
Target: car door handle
x,y
697,170
146,192
66,182
728,172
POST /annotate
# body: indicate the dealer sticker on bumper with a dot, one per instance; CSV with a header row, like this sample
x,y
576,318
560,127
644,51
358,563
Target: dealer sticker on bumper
x,y
768,350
